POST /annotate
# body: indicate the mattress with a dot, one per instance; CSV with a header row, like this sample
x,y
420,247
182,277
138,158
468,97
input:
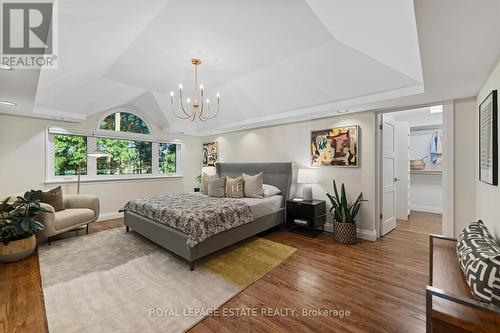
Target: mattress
x,y
263,206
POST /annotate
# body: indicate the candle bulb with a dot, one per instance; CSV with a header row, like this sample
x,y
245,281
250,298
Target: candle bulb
x,y
180,86
171,94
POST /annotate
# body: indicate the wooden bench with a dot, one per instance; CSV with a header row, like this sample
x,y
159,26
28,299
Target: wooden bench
x,y
449,302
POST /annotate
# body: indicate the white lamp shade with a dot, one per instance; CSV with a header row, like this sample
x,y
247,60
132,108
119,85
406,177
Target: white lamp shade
x,y
209,171
307,176
97,154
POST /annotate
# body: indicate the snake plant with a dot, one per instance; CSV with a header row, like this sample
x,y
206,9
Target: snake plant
x,y
343,210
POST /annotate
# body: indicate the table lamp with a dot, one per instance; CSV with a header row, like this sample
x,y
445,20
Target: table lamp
x,y
306,177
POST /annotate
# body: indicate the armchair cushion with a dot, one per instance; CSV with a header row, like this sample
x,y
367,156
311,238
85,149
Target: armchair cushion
x,y
88,201
73,217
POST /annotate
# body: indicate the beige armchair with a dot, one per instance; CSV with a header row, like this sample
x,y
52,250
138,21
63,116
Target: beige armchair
x,y
80,209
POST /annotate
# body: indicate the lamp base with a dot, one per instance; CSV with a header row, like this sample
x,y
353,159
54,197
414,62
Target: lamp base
x,y
307,193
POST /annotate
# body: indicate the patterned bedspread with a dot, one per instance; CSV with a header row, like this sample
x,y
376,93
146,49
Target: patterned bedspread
x,y
195,215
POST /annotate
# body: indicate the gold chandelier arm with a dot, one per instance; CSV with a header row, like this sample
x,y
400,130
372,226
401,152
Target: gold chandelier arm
x,y
205,118
182,105
173,109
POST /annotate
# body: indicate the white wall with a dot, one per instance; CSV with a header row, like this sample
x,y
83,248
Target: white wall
x,y
465,160
22,164
291,142
488,196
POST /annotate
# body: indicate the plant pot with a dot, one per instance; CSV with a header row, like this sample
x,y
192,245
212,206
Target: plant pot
x,y
18,249
345,233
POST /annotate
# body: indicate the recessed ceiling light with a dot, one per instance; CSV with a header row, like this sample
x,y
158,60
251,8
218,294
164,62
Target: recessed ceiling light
x,y
343,111
436,109
7,103
5,67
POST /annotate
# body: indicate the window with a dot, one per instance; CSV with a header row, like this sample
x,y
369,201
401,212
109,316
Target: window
x,y
168,158
126,157
124,122
70,152
126,140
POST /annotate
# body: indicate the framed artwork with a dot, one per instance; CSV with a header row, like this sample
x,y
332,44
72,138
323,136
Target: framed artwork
x,y
210,154
488,139
336,146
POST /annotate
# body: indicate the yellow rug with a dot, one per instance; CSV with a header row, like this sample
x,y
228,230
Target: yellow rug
x,y
247,261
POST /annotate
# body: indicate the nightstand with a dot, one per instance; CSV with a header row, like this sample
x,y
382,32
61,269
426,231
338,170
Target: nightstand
x,y
305,217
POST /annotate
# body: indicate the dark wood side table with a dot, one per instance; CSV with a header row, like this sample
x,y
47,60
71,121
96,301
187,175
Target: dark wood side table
x,y
312,213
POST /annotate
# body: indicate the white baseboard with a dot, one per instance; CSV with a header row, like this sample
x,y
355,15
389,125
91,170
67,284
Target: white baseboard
x,y
428,209
109,216
365,234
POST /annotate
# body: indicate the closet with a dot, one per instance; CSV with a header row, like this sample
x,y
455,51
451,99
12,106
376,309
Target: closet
x,y
425,153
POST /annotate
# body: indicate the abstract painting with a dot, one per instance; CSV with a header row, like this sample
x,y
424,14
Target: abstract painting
x,y
488,140
336,146
210,154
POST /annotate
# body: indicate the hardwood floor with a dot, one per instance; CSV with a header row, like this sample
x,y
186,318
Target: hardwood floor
x,y
381,283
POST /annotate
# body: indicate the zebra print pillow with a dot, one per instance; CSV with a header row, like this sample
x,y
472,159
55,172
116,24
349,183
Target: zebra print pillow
x,y
479,257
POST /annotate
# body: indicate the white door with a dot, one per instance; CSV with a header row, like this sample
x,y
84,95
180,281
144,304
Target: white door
x,y
403,170
388,204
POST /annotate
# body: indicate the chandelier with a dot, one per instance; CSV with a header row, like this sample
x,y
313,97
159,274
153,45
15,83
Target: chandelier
x,y
197,106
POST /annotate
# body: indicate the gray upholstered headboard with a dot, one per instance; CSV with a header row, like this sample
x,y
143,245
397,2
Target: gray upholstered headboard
x,y
278,174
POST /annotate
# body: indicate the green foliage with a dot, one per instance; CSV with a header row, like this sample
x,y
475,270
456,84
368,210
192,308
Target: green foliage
x,y
198,179
168,158
127,157
17,219
70,152
344,211
128,123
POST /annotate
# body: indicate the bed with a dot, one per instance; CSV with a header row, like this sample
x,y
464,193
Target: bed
x,y
265,214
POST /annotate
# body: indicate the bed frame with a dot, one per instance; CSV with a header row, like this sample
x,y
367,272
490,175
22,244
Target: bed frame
x,y
277,174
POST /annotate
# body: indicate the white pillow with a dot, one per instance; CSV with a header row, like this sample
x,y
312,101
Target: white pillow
x,y
270,190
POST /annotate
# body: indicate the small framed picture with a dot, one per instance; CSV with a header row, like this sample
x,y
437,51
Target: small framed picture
x,y
488,139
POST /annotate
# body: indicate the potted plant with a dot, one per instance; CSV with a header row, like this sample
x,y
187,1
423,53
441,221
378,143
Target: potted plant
x,y
197,179
344,215
18,226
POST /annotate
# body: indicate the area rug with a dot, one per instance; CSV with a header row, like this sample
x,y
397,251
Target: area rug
x,y
114,281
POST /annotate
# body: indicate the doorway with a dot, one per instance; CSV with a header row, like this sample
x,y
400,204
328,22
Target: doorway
x,y
413,172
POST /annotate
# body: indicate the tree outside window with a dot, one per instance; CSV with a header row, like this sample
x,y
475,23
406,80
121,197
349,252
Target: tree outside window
x,y
70,153
168,158
126,157
124,122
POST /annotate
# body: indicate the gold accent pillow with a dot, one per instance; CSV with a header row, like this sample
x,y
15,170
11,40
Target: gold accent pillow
x,y
234,187
204,182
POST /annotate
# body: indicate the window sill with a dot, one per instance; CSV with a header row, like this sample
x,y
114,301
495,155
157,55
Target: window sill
x,y
105,179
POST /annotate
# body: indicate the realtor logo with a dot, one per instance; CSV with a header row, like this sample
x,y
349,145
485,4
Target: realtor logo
x,y
27,28
28,34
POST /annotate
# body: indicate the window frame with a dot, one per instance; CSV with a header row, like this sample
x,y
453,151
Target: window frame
x,y
123,135
92,176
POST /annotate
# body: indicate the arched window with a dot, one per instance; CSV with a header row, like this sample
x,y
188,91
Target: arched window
x,y
124,122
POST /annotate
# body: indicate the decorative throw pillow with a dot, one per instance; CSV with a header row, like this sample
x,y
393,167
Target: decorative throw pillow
x,y
234,187
216,188
54,198
204,182
270,190
253,185
479,257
